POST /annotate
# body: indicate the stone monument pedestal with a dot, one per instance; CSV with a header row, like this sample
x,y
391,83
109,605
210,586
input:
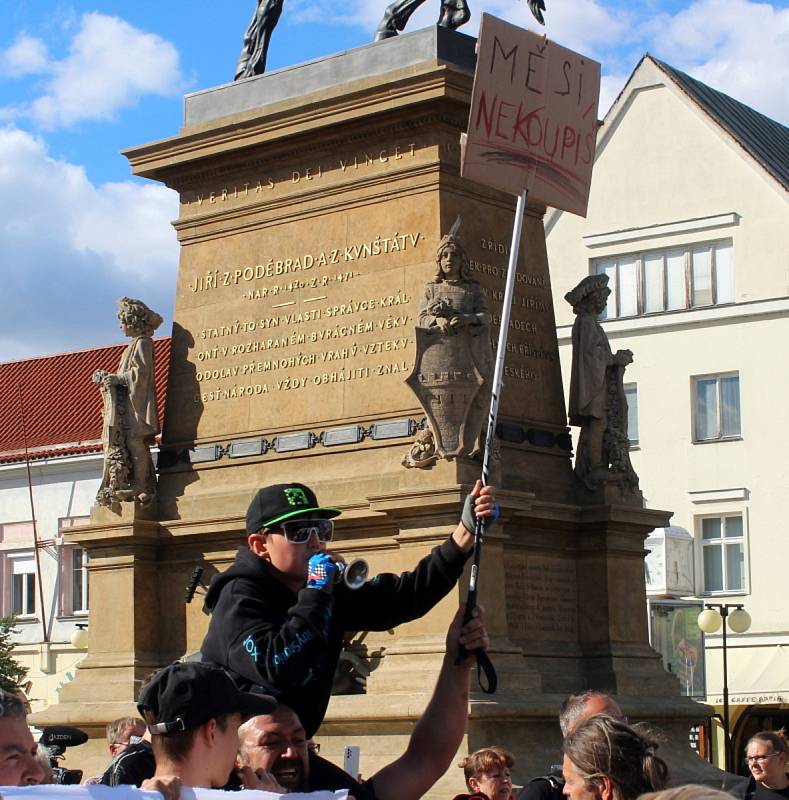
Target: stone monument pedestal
x,y
312,202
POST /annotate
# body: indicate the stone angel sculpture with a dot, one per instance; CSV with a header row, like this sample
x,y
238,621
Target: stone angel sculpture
x,y
131,419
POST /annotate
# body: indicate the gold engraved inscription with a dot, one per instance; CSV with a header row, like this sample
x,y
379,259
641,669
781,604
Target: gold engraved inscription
x,y
218,278
262,185
314,339
522,278
531,298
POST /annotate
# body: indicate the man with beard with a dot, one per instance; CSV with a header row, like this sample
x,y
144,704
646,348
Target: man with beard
x,y
274,745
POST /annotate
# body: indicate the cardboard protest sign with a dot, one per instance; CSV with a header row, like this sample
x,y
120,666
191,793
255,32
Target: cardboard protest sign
x,y
533,121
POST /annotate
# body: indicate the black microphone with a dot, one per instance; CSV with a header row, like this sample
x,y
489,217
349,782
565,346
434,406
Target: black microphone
x,y
194,582
57,738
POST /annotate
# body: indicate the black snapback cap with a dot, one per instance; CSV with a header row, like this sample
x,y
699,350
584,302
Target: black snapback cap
x,y
186,695
283,501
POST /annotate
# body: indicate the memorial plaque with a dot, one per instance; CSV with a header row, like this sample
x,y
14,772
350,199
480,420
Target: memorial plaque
x,y
307,324
304,327
542,600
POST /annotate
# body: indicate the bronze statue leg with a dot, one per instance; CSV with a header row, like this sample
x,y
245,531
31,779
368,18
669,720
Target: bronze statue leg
x,y
252,60
396,18
454,13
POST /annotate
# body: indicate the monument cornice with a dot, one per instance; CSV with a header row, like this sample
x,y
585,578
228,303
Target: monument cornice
x,y
104,536
364,99
333,142
433,499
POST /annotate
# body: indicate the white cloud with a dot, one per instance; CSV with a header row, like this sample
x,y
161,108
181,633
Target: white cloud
x,y
736,46
578,24
71,248
610,87
588,26
26,56
110,65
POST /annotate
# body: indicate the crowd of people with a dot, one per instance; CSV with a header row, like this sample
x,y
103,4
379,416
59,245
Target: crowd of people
x,y
244,714
199,730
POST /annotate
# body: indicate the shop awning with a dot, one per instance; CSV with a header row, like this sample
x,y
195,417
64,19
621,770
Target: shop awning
x,y
757,675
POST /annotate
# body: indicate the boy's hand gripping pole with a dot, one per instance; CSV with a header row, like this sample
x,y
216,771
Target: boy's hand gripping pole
x,y
484,663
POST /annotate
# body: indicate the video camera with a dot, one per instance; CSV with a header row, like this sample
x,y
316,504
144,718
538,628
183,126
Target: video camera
x,y
56,739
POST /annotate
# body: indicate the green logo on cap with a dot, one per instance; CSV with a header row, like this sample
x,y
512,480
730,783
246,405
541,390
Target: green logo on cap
x,y
296,497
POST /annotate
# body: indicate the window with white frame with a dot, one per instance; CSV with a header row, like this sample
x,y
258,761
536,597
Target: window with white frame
x,y
656,281
716,407
74,572
75,585
723,553
631,395
20,595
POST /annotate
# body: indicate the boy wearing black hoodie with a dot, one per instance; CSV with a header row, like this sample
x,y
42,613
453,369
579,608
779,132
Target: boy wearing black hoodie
x,y
279,613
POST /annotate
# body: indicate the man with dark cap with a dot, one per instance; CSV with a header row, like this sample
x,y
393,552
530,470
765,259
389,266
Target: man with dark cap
x,y
193,712
279,613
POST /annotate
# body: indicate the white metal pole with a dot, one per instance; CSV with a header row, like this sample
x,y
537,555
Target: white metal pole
x,y
498,373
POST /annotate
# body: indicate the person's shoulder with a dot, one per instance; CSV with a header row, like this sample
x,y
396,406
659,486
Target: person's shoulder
x,y
541,788
762,792
132,766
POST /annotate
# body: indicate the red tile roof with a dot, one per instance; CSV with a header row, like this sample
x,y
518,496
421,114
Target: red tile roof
x,y
62,406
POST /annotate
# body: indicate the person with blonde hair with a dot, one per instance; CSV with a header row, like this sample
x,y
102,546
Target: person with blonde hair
x,y
691,791
766,755
604,759
488,774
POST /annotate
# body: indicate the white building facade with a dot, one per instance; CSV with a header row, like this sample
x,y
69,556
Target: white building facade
x,y
689,218
63,491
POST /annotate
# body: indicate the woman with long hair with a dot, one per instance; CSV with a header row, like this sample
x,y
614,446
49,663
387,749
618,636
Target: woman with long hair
x,y
607,760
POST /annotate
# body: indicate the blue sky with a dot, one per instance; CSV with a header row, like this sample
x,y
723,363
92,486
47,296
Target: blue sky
x,y
80,81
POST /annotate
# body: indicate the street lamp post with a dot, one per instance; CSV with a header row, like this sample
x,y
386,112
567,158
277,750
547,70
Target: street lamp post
x,y
713,617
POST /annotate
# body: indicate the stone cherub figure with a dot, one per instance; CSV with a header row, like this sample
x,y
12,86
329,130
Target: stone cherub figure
x,y
454,365
131,419
597,398
422,453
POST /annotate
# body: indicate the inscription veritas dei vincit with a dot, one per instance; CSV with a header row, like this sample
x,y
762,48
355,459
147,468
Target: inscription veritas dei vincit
x,y
265,184
296,333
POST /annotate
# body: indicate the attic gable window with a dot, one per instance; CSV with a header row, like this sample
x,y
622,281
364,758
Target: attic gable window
x,y
674,279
